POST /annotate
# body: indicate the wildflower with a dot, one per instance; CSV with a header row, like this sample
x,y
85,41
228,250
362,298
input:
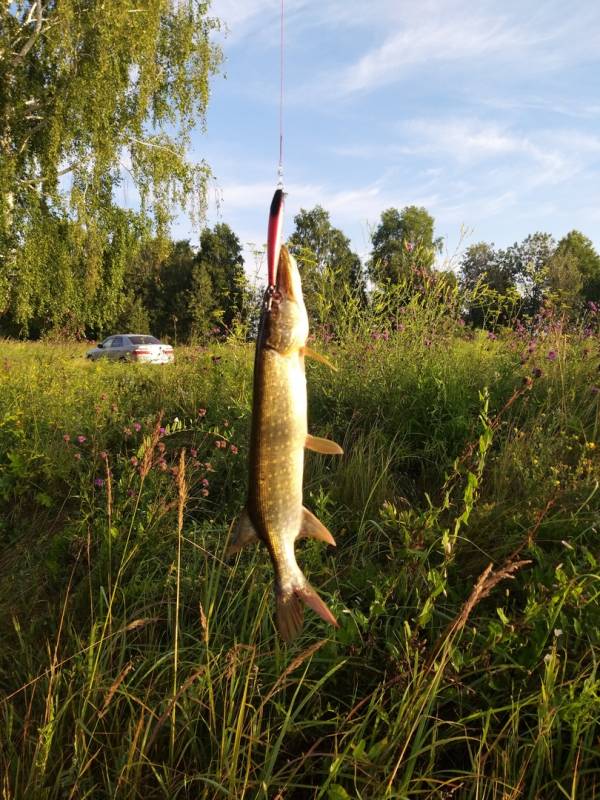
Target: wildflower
x,y
127,431
66,437
233,449
204,482
204,492
537,372
98,482
81,439
491,335
593,306
103,455
590,445
461,322
201,412
129,492
193,452
133,461
162,431
552,355
595,390
557,632
137,427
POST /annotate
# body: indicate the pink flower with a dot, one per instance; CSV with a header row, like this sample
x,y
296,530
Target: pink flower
x,y
66,437
204,492
234,449
137,427
98,482
204,482
193,452
201,412
133,460
552,355
81,439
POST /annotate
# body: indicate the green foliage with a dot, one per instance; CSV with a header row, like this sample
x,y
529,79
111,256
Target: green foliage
x,y
331,272
528,275
136,661
402,242
87,91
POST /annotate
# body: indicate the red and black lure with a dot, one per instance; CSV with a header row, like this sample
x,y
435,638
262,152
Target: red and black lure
x,y
274,236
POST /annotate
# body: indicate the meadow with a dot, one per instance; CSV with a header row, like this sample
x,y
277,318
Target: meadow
x,y
136,662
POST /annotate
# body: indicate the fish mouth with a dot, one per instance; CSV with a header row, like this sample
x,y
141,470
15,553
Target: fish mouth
x,y
288,278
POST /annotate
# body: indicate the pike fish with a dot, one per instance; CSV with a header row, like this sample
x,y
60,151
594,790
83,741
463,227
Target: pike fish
x,y
274,512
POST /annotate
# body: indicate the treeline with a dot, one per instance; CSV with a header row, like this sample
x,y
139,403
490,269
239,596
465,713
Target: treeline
x,y
131,280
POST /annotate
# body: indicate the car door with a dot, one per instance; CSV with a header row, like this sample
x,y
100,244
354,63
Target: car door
x,y
105,350
117,348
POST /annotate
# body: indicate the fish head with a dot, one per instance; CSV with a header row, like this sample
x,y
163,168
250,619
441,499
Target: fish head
x,y
287,320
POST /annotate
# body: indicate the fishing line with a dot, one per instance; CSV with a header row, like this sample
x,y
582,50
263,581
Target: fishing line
x,y
276,211
281,78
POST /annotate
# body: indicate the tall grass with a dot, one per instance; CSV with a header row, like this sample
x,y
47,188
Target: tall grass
x,y
137,662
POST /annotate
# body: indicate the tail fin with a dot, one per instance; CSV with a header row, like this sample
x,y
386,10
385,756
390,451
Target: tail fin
x,y
290,611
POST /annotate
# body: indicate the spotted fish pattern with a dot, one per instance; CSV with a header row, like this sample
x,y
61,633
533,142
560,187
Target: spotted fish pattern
x,y
274,512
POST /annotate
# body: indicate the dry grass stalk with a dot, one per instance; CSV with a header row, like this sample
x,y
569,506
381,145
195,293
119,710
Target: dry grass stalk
x,y
113,689
169,709
149,451
292,667
486,583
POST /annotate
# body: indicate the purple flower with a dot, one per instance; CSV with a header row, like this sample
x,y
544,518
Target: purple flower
x,y
81,439
137,427
592,306
595,390
552,355
491,335
98,482
537,372
162,431
204,482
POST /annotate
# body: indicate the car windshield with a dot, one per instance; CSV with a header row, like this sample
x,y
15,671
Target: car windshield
x,y
143,340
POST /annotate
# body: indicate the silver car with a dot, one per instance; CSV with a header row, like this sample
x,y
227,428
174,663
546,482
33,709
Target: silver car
x,y
133,347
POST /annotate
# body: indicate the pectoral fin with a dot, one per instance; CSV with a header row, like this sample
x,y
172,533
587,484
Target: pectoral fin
x,y
244,533
318,357
325,446
313,528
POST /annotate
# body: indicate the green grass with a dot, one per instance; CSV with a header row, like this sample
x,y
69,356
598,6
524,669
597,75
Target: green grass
x,y
136,663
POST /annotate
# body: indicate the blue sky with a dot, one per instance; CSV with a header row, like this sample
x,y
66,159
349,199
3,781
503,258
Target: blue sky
x,y
486,113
